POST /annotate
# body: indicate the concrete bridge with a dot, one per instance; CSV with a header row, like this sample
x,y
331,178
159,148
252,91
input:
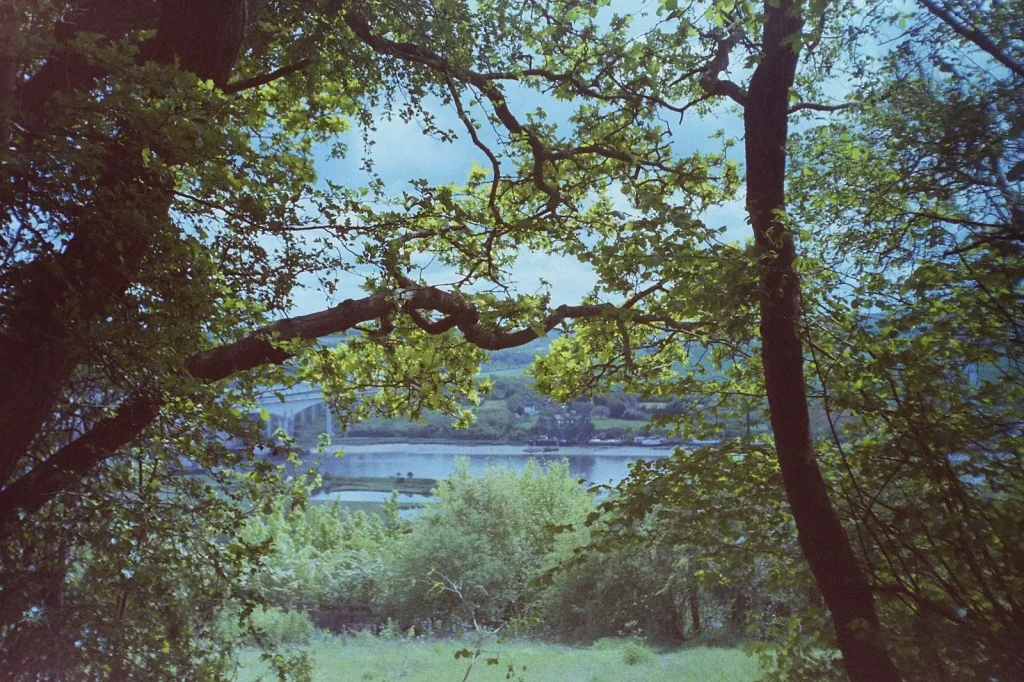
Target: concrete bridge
x,y
297,400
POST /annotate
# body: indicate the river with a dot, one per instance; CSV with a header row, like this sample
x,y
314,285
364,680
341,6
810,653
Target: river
x,y
593,463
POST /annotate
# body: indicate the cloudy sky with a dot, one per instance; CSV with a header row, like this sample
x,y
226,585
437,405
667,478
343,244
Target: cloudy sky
x,y
402,152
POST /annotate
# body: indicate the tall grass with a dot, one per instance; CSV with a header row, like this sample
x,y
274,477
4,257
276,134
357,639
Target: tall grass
x,y
370,659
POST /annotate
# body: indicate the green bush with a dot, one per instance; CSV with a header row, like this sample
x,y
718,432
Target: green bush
x,y
607,644
283,627
634,653
327,561
471,554
635,590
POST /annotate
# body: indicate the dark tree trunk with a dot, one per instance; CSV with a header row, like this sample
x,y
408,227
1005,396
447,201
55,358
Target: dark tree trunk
x,y
693,598
821,534
738,608
203,35
58,298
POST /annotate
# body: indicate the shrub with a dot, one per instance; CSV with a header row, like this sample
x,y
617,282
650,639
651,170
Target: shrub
x,y
606,644
635,653
471,555
283,627
326,561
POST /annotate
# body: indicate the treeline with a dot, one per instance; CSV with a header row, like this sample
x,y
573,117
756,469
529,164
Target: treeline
x,y
513,413
488,554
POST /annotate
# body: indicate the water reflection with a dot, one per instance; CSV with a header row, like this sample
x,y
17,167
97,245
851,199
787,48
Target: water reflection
x,y
429,460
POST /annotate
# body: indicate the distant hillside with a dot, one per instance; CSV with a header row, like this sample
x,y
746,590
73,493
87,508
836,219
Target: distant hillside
x,y
505,361
501,362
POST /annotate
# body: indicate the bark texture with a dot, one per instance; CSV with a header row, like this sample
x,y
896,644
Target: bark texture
x,y
58,297
66,467
822,538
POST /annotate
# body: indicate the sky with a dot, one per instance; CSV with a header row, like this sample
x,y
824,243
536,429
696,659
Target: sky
x,y
402,152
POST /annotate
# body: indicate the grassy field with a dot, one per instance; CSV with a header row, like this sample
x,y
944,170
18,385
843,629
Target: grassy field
x,y
414,486
366,659
366,507
602,423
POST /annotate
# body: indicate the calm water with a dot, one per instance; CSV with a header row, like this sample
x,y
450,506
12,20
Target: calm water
x,y
595,464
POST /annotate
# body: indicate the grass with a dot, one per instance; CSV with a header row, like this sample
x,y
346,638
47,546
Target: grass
x,y
414,486
603,423
369,659
366,507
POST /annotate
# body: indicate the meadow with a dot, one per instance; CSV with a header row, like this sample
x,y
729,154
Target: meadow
x,y
365,658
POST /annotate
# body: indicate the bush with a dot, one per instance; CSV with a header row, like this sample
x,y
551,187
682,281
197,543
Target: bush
x,y
327,561
607,644
632,590
283,627
471,555
634,653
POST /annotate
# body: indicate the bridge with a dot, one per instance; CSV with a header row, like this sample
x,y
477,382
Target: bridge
x,y
297,399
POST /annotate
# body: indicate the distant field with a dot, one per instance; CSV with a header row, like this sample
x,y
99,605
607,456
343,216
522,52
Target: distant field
x,y
602,423
420,486
366,507
365,659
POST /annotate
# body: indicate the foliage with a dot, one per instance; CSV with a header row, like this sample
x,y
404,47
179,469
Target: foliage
x,y
157,224
476,558
635,589
326,562
283,627
130,587
634,653
471,555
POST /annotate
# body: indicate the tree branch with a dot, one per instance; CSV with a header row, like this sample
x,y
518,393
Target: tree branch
x,y
975,36
63,469
262,347
258,348
815,106
711,81
256,81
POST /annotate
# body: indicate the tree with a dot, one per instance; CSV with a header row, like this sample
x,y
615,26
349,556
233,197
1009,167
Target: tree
x,y
471,556
157,150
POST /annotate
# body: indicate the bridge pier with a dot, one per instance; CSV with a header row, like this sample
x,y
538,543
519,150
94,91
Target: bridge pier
x,y
287,410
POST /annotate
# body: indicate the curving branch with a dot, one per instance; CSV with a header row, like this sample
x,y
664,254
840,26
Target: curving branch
x,y
974,35
62,470
817,106
264,345
263,79
711,80
261,347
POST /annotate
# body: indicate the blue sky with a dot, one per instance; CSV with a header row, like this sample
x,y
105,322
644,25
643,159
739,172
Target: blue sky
x,y
402,152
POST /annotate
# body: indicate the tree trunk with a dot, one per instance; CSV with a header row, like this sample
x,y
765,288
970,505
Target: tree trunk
x,y
694,600
821,535
58,298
